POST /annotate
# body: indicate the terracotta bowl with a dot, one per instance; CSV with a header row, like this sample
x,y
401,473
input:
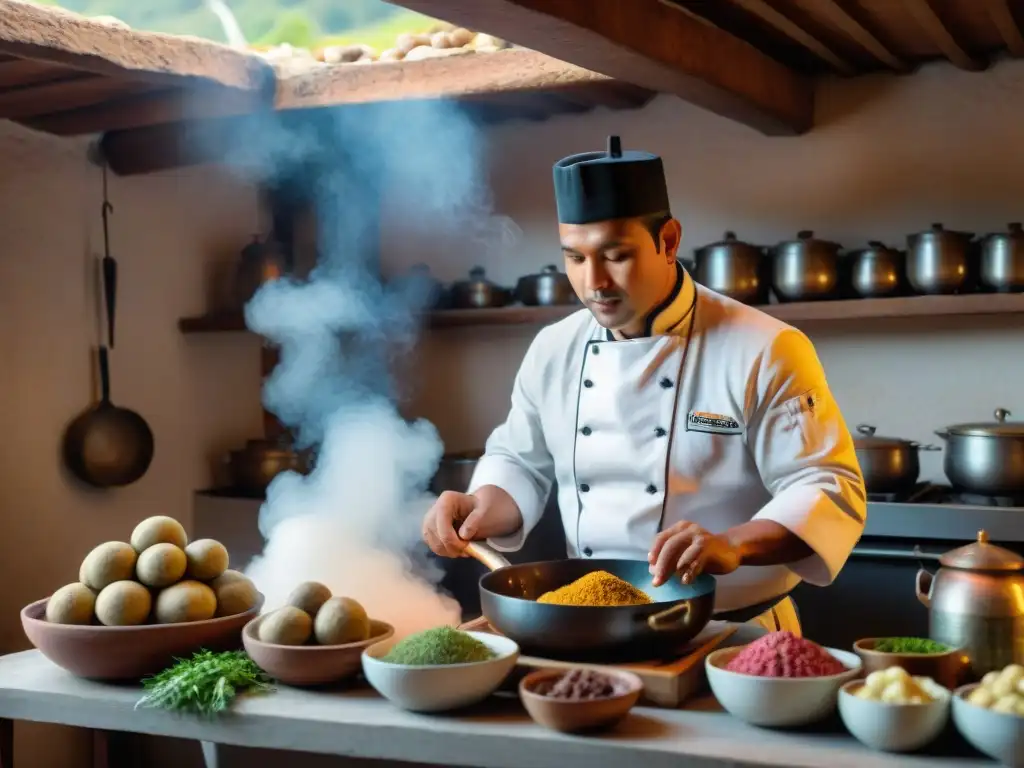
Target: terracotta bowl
x,y
301,665
128,653
947,669
579,716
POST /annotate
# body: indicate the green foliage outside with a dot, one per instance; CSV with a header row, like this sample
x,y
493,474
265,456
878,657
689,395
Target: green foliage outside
x,y
305,23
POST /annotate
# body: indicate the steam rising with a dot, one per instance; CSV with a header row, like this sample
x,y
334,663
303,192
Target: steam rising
x,y
354,522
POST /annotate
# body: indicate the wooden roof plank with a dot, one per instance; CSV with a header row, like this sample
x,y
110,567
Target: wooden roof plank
x,y
650,43
855,30
461,76
794,31
933,26
61,37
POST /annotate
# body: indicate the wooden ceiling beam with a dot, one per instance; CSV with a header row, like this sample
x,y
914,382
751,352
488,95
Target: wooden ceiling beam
x,y
933,26
796,33
650,43
838,16
159,107
1009,30
82,91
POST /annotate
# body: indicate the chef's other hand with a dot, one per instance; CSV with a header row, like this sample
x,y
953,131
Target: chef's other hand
x,y
451,523
689,550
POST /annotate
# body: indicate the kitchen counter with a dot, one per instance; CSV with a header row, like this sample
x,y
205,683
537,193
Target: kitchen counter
x,y
498,734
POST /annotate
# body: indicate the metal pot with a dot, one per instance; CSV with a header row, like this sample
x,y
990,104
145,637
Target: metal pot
x,y
455,471
733,268
986,458
478,292
253,468
974,604
261,262
546,289
1002,260
805,269
938,260
889,464
876,271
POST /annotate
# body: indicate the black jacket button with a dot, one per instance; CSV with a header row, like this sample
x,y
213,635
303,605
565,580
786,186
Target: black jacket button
x,y
586,431
588,551
596,349
659,432
666,383
651,489
588,383
584,487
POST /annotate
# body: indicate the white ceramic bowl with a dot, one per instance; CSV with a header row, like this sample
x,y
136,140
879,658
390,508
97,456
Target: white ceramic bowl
x,y
998,735
443,687
776,701
893,727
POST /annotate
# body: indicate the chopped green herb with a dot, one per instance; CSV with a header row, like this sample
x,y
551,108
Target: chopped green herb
x,y
440,645
204,685
909,645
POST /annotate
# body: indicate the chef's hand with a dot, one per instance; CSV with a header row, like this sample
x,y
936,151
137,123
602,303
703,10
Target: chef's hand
x,y
689,550
450,524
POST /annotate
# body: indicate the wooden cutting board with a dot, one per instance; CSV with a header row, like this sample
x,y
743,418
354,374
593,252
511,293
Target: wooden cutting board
x,y
667,683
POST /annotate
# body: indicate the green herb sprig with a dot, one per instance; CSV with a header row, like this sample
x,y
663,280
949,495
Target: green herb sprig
x,y
204,685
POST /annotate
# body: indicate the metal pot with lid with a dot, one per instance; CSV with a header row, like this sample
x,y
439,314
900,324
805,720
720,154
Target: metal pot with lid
x,y
478,292
1002,260
974,603
876,271
548,288
889,464
938,260
805,269
987,457
733,268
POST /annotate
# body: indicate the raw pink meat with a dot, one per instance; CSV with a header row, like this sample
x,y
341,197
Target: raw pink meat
x,y
783,654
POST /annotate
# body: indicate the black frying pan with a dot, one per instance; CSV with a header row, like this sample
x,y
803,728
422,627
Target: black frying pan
x,y
108,446
508,597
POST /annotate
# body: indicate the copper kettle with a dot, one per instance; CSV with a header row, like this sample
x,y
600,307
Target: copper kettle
x,y
974,603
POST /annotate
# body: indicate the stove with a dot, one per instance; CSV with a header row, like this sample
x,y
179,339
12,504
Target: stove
x,y
944,513
930,493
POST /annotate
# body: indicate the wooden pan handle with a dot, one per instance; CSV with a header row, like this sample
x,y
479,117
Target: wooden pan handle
x,y
670,618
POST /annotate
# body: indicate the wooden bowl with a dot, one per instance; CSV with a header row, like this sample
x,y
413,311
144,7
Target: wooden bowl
x,y
582,716
301,665
128,653
947,668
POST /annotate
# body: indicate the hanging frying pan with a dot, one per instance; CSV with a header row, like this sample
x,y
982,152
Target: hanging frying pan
x,y
508,600
108,446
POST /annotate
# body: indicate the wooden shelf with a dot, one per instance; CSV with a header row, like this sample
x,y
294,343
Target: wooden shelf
x,y
797,313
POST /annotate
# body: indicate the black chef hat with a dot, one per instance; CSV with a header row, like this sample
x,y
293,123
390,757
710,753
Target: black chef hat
x,y
597,186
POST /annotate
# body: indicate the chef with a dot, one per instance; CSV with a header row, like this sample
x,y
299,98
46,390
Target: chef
x,y
683,428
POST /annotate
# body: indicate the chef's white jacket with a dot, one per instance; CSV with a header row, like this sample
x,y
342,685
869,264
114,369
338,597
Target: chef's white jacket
x,y
736,423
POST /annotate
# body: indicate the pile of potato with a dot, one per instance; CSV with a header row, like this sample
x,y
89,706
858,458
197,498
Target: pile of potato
x,y
1001,691
312,615
443,40
158,578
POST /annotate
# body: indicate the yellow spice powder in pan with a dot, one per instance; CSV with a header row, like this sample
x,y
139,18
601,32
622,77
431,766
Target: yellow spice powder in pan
x,y
598,588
